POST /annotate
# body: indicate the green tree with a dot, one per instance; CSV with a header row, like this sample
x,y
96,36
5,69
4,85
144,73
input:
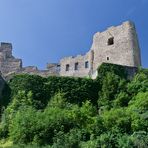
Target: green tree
x,y
139,83
138,110
111,86
117,119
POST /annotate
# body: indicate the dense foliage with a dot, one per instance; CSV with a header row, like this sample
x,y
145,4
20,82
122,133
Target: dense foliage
x,y
62,112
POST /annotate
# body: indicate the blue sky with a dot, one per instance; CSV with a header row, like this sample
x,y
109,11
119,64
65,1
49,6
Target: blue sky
x,y
43,31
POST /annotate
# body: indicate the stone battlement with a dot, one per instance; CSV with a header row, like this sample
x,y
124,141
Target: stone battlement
x,y
116,45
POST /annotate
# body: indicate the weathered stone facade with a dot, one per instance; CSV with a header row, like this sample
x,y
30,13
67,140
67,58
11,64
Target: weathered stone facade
x,y
117,45
8,64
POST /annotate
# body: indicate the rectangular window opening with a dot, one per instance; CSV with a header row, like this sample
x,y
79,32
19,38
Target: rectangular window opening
x,y
67,67
107,58
111,41
86,64
76,66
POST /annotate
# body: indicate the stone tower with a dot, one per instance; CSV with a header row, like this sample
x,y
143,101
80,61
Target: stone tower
x,y
117,45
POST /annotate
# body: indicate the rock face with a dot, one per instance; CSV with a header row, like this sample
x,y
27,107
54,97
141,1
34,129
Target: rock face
x,y
117,45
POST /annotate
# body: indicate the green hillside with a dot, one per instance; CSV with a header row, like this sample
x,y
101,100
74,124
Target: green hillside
x,y
64,112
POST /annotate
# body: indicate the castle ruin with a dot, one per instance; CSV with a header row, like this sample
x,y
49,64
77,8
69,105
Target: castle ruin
x,y
117,45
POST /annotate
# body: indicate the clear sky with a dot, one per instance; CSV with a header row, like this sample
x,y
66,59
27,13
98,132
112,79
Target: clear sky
x,y
43,31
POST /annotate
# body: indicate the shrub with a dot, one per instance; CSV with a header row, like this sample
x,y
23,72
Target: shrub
x,y
75,90
30,83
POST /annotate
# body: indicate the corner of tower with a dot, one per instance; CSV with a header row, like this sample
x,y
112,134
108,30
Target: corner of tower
x,y
128,24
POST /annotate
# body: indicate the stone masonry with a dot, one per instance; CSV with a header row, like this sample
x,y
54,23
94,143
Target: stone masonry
x,y
117,45
8,64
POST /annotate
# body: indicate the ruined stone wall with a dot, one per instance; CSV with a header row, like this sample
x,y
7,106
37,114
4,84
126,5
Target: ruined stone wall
x,y
8,63
54,68
123,51
117,45
77,71
34,70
